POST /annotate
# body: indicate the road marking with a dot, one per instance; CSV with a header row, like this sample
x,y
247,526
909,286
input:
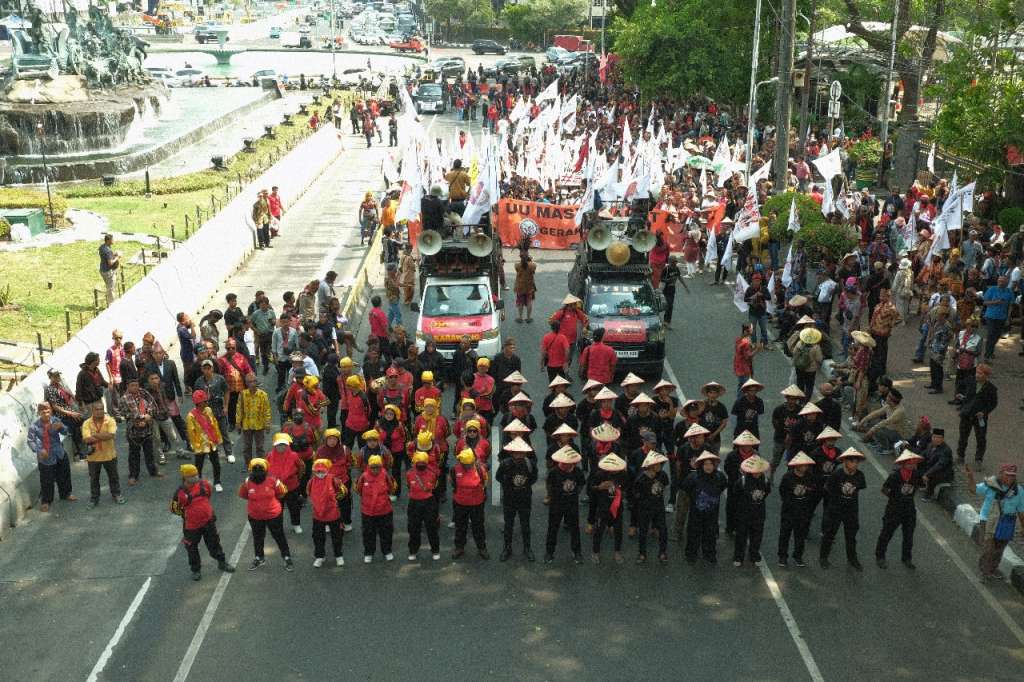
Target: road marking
x,y
211,610
790,621
119,632
672,377
968,573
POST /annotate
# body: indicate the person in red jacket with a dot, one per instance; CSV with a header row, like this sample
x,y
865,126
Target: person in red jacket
x,y
483,389
569,319
263,494
469,492
340,457
308,399
324,492
357,418
286,466
554,352
423,506
424,443
393,393
427,391
374,487
393,437
304,439
432,422
469,413
192,502
597,361
472,440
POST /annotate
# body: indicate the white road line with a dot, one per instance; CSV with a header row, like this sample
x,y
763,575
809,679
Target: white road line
x,y
790,621
672,377
968,572
211,610
119,632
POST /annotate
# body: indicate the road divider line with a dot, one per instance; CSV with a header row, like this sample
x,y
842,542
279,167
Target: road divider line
x,y
790,621
119,632
672,377
211,610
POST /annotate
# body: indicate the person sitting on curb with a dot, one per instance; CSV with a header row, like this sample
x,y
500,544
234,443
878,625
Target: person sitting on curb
x,y
889,423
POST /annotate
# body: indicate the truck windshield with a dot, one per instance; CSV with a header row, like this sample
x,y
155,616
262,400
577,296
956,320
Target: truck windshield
x,y
622,300
456,300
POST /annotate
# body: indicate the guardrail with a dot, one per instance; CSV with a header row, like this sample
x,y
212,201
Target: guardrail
x,y
358,296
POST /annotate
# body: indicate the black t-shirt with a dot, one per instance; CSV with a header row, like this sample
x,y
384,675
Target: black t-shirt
x,y
842,489
713,416
747,414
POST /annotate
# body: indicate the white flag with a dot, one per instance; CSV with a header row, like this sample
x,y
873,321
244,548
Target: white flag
x,y
931,160
722,155
829,166
739,290
550,92
712,253
828,202
586,204
759,175
727,254
769,299
794,217
787,272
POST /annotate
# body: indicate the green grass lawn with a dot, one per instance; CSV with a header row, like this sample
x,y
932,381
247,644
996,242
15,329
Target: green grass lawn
x,y
44,282
154,216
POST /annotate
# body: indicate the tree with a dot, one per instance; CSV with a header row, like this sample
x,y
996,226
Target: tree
x,y
529,21
682,48
461,13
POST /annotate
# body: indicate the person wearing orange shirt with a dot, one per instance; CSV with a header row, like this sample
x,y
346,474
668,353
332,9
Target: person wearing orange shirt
x,y
324,491
374,487
423,506
285,465
469,492
262,493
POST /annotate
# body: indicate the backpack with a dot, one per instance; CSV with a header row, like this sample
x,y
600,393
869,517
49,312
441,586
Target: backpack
x,y
802,357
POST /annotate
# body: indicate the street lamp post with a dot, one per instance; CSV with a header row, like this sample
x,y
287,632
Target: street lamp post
x,y
46,173
805,95
750,123
751,105
334,45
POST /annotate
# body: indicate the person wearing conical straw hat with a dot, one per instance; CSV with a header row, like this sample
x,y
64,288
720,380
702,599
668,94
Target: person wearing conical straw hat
x,y
750,491
704,487
900,510
519,408
715,416
831,408
641,417
809,428
517,474
631,385
608,485
558,386
649,490
564,482
745,446
584,408
799,490
805,348
842,490
570,317
561,437
826,460
561,414
604,438
785,422
689,446
748,408
512,385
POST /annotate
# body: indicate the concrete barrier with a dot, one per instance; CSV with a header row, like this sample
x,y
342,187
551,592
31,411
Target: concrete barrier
x,y
182,282
371,270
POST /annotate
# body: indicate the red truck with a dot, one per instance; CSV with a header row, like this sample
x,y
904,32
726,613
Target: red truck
x,y
413,44
573,43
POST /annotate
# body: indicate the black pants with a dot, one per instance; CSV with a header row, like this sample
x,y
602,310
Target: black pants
x,y
214,456
466,517
398,465
294,504
422,514
113,479
720,270
374,527
701,534
511,510
207,534
50,474
650,520
75,430
179,425
392,138
232,411
670,298
805,381
830,528
259,534
263,345
935,369
556,371
345,505
732,503
570,514
263,235
137,449
604,521
749,531
965,381
320,537
967,423
798,526
282,372
890,522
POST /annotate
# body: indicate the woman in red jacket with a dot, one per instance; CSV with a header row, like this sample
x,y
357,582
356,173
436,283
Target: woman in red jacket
x,y
357,418
324,491
423,506
393,437
374,486
192,502
286,466
469,491
263,494
340,457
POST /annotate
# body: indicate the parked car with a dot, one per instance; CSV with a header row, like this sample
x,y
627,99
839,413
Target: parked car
x,y
209,36
527,62
586,60
429,97
487,46
275,32
507,66
449,67
554,53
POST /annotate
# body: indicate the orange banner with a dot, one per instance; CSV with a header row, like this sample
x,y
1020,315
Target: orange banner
x,y
547,226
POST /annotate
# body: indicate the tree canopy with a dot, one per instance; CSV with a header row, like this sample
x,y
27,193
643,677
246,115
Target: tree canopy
x,y
528,21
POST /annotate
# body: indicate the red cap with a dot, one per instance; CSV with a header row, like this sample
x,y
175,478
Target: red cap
x,y
1008,468
199,397
391,372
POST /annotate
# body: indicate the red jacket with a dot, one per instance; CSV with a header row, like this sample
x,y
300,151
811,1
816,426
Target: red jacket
x,y
396,443
358,417
195,503
434,454
264,499
421,483
567,322
599,360
378,323
483,385
469,484
556,346
424,392
299,432
441,430
460,424
286,467
374,489
323,495
482,449
341,461
394,396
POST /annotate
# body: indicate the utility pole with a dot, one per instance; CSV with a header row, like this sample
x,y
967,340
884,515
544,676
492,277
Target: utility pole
x,y
784,98
805,93
888,86
334,45
751,105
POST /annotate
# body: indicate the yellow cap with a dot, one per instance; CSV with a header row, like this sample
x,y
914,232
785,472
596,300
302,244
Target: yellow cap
x,y
258,462
483,362
394,408
473,424
429,402
188,470
354,382
310,382
371,435
322,465
332,432
282,438
467,456
468,401
375,461
427,376
424,440
420,458
346,362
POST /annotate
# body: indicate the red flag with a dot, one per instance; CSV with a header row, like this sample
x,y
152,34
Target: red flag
x,y
616,503
602,69
715,217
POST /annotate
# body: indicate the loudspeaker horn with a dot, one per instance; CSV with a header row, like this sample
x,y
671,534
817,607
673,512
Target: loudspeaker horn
x,y
598,238
480,244
618,253
429,242
644,241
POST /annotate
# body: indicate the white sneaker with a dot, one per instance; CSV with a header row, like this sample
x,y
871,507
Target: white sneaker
x,y
389,557
339,561
393,498
317,563
231,459
451,524
218,487
669,509
367,559
348,527
297,529
436,557
412,557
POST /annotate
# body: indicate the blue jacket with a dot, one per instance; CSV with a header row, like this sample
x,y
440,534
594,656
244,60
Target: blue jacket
x,y
35,441
1012,502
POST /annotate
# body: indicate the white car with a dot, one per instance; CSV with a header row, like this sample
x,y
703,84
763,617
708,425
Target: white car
x,y
190,75
164,75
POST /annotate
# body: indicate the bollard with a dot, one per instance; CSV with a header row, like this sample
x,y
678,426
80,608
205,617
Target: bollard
x,y
159,250
143,259
67,323
81,319
96,301
147,182
121,270
39,342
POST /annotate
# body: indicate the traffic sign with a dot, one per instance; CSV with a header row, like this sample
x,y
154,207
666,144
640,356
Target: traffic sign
x,y
833,109
835,91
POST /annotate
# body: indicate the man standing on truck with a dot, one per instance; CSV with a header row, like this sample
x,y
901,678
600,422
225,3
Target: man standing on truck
x,y
597,361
